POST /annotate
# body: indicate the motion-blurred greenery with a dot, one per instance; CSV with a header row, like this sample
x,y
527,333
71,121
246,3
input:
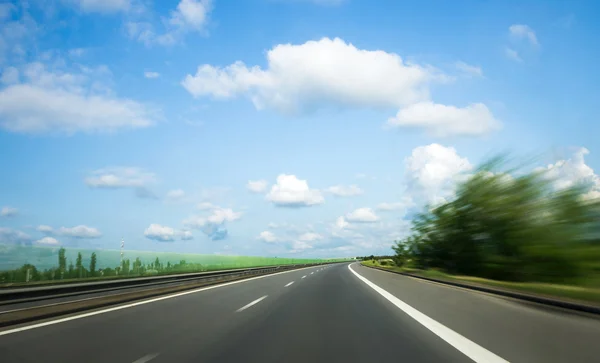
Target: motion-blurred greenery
x,y
504,224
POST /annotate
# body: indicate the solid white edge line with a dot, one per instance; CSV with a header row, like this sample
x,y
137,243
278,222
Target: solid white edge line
x,y
289,283
120,307
476,352
252,303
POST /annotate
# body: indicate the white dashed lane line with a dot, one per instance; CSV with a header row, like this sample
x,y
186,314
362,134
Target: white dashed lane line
x,y
289,283
252,303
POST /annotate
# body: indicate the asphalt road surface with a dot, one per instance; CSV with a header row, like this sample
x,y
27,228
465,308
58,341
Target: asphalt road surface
x,y
336,313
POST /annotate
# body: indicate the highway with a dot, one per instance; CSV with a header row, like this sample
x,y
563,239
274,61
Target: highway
x,y
335,313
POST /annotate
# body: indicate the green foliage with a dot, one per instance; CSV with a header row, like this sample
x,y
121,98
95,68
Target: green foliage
x,y
500,227
93,262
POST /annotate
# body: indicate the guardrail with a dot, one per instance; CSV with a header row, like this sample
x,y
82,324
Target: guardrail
x,y
23,294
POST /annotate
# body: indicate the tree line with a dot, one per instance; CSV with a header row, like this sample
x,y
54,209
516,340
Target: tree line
x,y
506,227
78,270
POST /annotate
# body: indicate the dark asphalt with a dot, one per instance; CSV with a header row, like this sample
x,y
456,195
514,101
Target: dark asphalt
x,y
329,316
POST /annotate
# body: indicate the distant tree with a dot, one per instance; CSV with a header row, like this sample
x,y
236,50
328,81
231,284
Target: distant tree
x,y
93,264
71,272
62,260
157,264
79,265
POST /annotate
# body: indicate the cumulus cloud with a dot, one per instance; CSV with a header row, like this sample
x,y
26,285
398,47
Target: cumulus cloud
x,y
257,186
310,236
469,70
213,225
441,120
13,236
161,233
432,172
521,31
362,215
344,191
572,172
123,177
332,73
267,236
51,241
56,101
289,191
394,206
8,211
300,246
327,71
205,206
151,74
79,232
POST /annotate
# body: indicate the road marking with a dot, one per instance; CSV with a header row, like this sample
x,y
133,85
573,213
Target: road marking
x,y
462,344
289,283
252,303
312,273
304,276
126,306
146,358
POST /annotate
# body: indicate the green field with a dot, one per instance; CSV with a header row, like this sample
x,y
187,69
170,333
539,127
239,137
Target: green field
x,y
35,265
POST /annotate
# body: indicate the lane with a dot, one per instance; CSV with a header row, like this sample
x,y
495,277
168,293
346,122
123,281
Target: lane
x,y
329,316
197,319
517,331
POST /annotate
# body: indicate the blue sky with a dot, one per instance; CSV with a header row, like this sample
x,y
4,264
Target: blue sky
x,y
278,127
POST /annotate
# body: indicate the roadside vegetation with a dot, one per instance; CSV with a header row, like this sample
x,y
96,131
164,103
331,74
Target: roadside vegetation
x,y
69,271
508,229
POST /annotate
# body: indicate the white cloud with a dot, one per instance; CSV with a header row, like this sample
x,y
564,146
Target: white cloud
x,y
289,191
468,69
47,241
387,207
523,31
257,186
8,211
217,216
303,77
101,6
189,16
151,74
186,235
341,223
10,75
80,231
175,195
512,54
13,236
316,2
119,177
443,121
432,172
205,206
61,102
310,236
267,236
362,215
332,73
160,233
572,172
300,246
344,191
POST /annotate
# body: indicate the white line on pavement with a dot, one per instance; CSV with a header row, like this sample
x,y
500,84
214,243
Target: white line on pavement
x,y
312,273
252,303
462,344
119,307
146,358
304,276
289,283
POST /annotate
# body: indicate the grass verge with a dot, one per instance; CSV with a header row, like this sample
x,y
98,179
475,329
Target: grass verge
x,y
563,292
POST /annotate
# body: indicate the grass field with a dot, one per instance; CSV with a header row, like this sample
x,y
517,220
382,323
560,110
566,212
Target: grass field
x,y
579,293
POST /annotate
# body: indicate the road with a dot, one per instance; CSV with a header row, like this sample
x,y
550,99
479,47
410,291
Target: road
x,y
335,313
